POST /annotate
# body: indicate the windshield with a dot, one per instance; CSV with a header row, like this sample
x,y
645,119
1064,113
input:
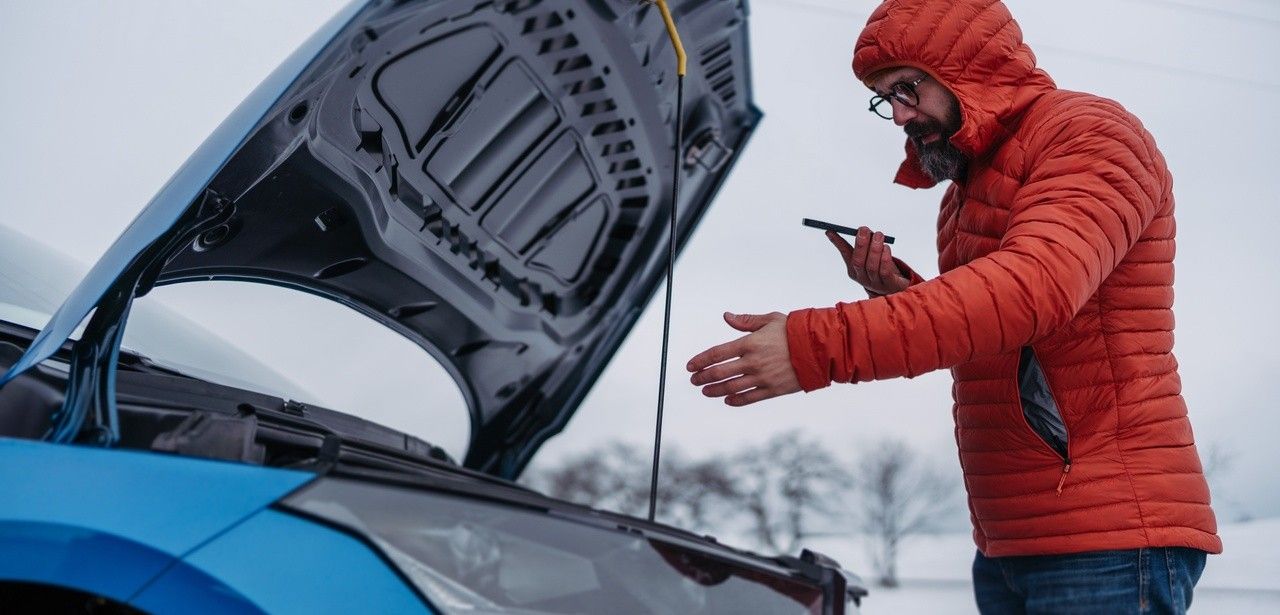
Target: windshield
x,y
35,280
250,335
473,556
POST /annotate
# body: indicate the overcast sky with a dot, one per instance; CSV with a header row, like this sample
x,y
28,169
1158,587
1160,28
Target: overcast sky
x,y
104,100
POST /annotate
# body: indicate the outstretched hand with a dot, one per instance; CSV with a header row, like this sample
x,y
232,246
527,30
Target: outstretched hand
x,y
869,262
752,368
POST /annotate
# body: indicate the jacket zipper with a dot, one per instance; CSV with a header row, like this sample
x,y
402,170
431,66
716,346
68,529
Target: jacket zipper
x,y
1017,383
1062,481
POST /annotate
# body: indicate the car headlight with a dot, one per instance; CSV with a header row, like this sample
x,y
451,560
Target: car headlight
x,y
475,556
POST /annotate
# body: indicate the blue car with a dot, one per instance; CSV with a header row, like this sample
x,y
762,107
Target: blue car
x,y
489,179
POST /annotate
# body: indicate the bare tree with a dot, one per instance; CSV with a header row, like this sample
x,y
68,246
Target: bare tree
x,y
1217,461
696,495
779,489
608,477
786,486
615,477
898,496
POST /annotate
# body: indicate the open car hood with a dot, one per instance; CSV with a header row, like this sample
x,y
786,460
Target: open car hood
x,y
489,179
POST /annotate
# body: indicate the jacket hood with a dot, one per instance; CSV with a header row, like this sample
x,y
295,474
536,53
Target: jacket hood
x,y
972,47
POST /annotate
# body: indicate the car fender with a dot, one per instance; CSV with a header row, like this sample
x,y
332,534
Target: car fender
x,y
108,521
276,562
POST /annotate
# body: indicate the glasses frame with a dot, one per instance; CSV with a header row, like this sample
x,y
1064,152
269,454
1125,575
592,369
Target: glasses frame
x,y
901,91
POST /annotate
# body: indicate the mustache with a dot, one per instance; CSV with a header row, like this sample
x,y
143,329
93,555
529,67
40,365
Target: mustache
x,y
920,128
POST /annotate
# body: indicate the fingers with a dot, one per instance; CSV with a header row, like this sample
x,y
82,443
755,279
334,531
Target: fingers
x,y
739,390
750,397
716,373
717,354
730,387
846,250
846,253
893,278
754,367
747,323
861,245
736,348
866,264
874,255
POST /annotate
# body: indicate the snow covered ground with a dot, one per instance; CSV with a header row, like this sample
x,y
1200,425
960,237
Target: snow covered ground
x,y
956,597
1245,578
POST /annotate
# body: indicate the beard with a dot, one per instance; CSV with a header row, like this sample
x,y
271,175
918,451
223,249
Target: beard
x,y
940,160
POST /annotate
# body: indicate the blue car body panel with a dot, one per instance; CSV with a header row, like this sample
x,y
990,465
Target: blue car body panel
x,y
177,194
77,557
108,521
305,567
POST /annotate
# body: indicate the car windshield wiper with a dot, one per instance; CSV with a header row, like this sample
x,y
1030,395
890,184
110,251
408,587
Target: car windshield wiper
x,y
139,362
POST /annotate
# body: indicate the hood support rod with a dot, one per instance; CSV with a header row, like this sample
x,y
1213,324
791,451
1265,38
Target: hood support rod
x,y
91,392
676,169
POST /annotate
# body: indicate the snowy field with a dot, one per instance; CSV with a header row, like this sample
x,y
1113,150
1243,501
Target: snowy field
x,y
956,597
935,572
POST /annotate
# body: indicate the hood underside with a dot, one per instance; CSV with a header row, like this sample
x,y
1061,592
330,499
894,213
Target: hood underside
x,y
490,179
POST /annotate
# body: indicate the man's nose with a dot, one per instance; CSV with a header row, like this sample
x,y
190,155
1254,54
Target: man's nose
x,y
903,113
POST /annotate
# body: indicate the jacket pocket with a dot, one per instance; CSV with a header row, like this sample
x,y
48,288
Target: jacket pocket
x,y
1039,408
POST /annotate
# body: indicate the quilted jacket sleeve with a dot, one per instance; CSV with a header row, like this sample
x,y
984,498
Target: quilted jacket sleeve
x,y
1095,184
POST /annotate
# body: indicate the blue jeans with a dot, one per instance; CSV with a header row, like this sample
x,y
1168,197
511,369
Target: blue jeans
x,y
1157,580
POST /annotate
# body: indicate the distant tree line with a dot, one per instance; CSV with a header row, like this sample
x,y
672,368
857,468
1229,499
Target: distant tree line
x,y
780,493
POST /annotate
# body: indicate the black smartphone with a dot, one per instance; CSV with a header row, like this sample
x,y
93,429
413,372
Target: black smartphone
x,y
843,230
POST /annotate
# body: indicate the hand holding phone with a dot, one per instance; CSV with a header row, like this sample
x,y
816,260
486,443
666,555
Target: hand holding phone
x,y
869,260
827,226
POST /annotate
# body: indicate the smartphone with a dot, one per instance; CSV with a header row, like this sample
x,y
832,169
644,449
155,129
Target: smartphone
x,y
844,230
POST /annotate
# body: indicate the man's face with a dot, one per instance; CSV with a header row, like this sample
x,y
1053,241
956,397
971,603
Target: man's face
x,y
929,124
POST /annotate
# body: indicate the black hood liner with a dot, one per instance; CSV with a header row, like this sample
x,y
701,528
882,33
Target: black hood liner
x,y
491,180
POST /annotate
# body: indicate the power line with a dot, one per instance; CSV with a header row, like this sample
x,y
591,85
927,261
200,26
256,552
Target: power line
x,y
1166,68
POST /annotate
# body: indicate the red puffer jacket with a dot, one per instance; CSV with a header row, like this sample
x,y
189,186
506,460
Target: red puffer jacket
x,y
1061,237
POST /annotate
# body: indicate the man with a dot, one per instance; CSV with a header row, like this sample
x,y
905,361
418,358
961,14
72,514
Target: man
x,y
1052,311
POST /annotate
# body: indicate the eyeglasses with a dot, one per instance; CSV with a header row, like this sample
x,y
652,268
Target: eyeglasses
x,y
902,91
